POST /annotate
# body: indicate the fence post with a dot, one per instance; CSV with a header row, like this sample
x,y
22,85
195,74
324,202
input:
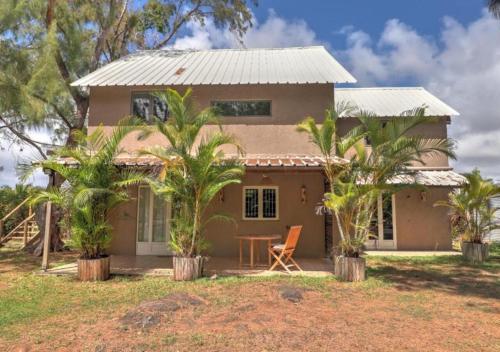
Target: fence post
x,y
1,229
46,238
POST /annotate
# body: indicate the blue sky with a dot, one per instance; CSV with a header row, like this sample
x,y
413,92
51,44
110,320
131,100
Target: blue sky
x,y
325,17
450,47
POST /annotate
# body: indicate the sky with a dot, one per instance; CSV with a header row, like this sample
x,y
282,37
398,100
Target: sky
x,y
450,47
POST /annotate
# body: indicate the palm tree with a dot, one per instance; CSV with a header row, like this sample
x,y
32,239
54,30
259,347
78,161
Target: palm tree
x,y
472,215
355,186
195,169
494,8
93,186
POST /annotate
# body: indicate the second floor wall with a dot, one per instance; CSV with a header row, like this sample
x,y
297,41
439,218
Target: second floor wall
x,y
272,134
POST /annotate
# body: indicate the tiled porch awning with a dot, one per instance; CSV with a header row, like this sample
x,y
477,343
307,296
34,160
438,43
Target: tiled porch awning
x,y
439,176
431,178
249,160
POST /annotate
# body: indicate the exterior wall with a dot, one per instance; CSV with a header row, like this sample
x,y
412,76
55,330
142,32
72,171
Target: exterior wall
x,y
290,103
291,212
123,219
437,130
420,225
221,234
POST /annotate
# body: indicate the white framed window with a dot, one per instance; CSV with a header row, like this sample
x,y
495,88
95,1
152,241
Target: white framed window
x,y
153,223
260,203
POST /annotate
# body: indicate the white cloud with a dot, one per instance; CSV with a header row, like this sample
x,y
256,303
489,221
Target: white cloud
x,y
274,32
462,67
12,154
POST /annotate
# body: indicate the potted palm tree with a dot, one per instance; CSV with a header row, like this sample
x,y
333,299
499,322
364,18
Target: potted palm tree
x,y
472,216
356,185
93,186
194,171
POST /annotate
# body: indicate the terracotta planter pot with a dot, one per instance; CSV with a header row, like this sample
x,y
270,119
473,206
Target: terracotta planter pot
x,y
475,252
94,269
350,269
187,269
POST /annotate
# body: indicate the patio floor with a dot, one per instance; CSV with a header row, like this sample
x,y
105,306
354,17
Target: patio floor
x,y
162,266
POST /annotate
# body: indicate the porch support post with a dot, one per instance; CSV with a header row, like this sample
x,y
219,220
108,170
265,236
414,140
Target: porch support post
x,y
46,238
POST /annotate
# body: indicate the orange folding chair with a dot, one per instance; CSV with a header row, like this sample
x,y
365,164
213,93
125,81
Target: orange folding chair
x,y
282,253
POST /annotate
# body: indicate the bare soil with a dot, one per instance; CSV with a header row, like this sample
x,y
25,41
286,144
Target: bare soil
x,y
404,306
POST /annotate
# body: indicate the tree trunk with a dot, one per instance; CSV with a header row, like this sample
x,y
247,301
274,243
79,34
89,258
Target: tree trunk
x,y
475,252
187,269
56,243
350,269
94,269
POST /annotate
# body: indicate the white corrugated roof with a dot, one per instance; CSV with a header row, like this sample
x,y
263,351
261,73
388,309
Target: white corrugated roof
x,y
221,66
431,178
392,101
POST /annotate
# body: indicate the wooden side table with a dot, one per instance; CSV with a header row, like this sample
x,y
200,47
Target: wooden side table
x,y
252,239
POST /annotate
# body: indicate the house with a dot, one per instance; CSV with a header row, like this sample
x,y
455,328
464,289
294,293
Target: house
x,y
263,94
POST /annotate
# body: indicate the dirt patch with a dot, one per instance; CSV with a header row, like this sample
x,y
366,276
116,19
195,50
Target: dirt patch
x,y
150,313
291,293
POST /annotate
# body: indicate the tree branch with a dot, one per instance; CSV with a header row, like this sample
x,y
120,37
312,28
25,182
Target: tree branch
x,y
23,137
178,23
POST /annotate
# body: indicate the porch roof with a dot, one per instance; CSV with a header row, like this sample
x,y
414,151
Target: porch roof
x,y
249,160
426,176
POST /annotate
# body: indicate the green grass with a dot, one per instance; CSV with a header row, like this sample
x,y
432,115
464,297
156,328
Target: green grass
x,y
26,298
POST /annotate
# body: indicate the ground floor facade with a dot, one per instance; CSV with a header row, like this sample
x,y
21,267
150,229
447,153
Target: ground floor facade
x,y
269,202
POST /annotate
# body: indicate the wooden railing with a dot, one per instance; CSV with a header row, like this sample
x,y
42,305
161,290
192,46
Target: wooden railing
x,y
26,230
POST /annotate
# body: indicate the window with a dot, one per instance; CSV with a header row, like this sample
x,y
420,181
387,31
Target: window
x,y
152,217
243,108
147,106
383,226
260,203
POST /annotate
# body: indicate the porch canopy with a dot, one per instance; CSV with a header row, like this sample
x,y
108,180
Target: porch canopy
x,y
425,176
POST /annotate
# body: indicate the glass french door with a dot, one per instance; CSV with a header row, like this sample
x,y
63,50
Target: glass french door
x,y
384,224
153,223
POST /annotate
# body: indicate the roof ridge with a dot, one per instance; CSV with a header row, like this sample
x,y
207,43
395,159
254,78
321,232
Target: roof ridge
x,y
383,88
173,50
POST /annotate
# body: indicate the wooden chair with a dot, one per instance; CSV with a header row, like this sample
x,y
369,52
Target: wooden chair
x,y
283,253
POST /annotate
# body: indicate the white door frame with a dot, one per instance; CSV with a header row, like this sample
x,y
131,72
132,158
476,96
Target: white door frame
x,y
380,242
149,247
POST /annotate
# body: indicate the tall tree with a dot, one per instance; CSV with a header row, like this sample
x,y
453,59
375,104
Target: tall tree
x,y
47,44
494,7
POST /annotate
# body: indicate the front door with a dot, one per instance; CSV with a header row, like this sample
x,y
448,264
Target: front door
x,y
384,224
153,223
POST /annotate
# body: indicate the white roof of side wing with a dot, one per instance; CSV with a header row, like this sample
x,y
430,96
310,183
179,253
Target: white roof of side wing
x,y
393,101
301,65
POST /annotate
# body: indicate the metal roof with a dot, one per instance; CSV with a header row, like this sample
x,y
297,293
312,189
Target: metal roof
x,y
221,66
393,101
431,178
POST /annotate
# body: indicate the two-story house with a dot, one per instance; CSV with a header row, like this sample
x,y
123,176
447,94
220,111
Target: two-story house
x,y
263,94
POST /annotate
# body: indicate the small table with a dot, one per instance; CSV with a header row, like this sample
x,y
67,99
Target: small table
x,y
252,239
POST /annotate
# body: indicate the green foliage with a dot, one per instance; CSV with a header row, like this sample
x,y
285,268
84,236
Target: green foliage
x,y
195,169
9,199
472,216
46,45
356,185
93,185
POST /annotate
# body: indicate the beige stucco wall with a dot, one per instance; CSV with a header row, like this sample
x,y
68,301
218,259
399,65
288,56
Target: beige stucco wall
x,y
275,134
123,219
221,234
291,212
420,225
290,103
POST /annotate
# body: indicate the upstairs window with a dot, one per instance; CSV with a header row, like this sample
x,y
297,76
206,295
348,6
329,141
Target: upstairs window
x,y
146,106
243,107
260,203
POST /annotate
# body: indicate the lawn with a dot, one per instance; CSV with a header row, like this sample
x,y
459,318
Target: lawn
x,y
407,304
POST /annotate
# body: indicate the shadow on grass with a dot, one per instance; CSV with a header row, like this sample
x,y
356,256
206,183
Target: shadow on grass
x,y
449,274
